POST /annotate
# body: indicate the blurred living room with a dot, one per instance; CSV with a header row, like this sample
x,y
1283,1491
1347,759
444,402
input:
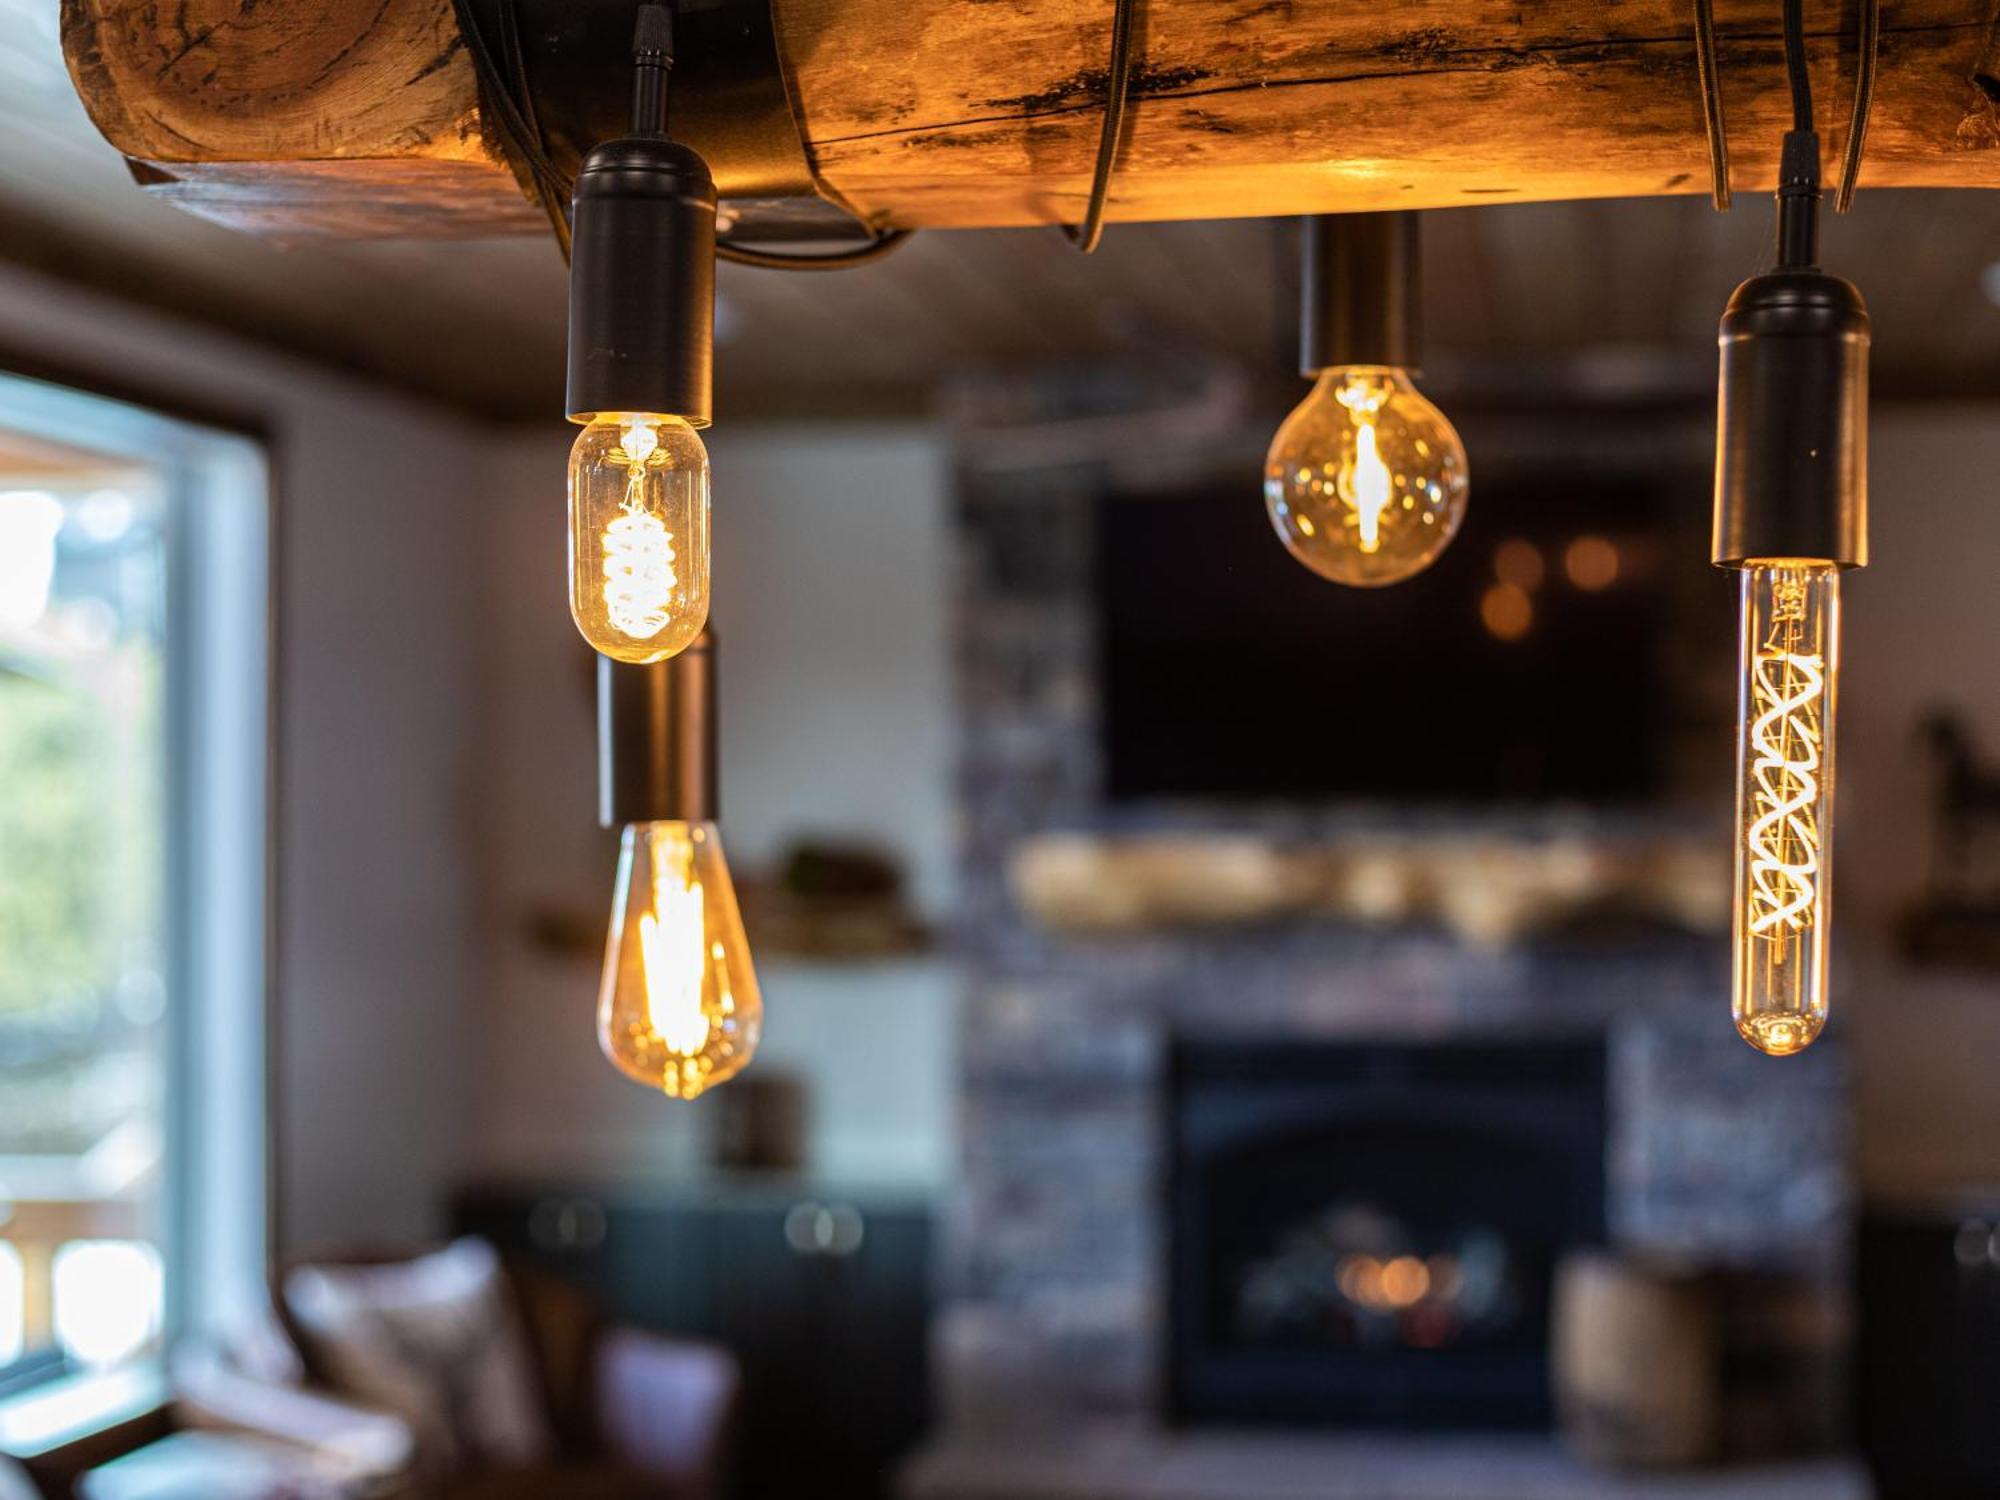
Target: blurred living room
x,y
1077,750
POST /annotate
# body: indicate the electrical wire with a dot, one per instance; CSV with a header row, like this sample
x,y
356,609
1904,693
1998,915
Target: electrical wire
x,y
1866,46
1711,104
825,260
522,135
1117,93
1798,159
1796,75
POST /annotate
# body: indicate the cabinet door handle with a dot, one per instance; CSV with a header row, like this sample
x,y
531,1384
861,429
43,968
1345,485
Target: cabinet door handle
x,y
831,1229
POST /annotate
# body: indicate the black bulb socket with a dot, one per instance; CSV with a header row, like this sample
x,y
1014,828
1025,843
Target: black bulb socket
x,y
656,739
1791,452
1359,291
642,282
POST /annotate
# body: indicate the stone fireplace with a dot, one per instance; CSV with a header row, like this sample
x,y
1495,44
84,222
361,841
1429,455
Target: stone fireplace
x,y
1100,1073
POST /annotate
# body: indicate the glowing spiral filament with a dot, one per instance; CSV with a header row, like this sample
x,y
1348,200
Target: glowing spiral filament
x,y
638,574
639,577
1784,837
1784,801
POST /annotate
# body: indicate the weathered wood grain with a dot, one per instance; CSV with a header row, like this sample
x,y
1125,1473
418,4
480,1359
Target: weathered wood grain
x,y
360,116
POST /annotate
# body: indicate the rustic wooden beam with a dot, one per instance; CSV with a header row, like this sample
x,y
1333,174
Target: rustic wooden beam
x,y
360,117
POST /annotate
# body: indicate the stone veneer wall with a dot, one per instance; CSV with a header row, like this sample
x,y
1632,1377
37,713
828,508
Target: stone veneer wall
x,y
1053,1300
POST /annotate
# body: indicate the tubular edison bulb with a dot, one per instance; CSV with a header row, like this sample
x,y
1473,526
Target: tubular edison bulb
x,y
679,1008
1784,799
1366,480
638,535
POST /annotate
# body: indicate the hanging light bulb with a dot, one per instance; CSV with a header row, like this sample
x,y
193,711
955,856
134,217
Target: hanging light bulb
x,y
641,317
638,535
1366,480
1791,511
678,1007
1784,790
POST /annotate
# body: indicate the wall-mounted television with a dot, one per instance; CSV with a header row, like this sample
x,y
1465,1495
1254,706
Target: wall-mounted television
x,y
1535,661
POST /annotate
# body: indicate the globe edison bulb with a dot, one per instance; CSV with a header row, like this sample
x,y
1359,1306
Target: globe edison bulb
x,y
678,1009
638,535
1784,800
1366,480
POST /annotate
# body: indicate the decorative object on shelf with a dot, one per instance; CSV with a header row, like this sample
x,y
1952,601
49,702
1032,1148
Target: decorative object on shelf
x,y
1791,512
641,324
834,901
678,1008
1956,921
1366,480
1490,891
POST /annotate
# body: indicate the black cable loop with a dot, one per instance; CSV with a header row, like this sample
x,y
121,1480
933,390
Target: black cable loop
x,y
1117,93
506,93
829,260
1866,46
1713,125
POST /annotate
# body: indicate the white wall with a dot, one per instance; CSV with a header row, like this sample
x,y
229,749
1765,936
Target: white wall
x,y
374,587
1921,629
831,588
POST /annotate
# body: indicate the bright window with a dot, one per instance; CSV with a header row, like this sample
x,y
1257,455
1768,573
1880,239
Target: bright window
x,y
133,658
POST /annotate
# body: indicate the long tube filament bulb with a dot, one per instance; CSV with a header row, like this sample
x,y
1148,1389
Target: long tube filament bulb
x,y
1790,663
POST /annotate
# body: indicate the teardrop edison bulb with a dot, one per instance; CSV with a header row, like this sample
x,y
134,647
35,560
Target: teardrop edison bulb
x,y
1366,480
678,1009
638,535
1784,800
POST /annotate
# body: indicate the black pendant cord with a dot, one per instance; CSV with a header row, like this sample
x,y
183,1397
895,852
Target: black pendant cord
x,y
1117,94
1866,46
1798,162
506,91
1708,69
652,69
1712,122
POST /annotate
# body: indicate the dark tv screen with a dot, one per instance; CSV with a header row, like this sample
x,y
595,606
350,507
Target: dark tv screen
x,y
1231,673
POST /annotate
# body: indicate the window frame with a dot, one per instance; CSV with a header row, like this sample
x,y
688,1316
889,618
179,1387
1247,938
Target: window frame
x,y
220,776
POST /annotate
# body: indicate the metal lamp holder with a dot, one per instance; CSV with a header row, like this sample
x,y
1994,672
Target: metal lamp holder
x,y
1791,453
1358,304
656,759
642,259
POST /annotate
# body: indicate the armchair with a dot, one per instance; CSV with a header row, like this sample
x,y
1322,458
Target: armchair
x,y
629,1415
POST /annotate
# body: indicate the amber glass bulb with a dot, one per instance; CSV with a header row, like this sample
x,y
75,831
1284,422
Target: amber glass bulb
x,y
638,535
1366,480
1784,799
678,1009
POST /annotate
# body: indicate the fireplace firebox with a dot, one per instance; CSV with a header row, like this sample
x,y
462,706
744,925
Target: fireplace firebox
x,y
1363,1234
